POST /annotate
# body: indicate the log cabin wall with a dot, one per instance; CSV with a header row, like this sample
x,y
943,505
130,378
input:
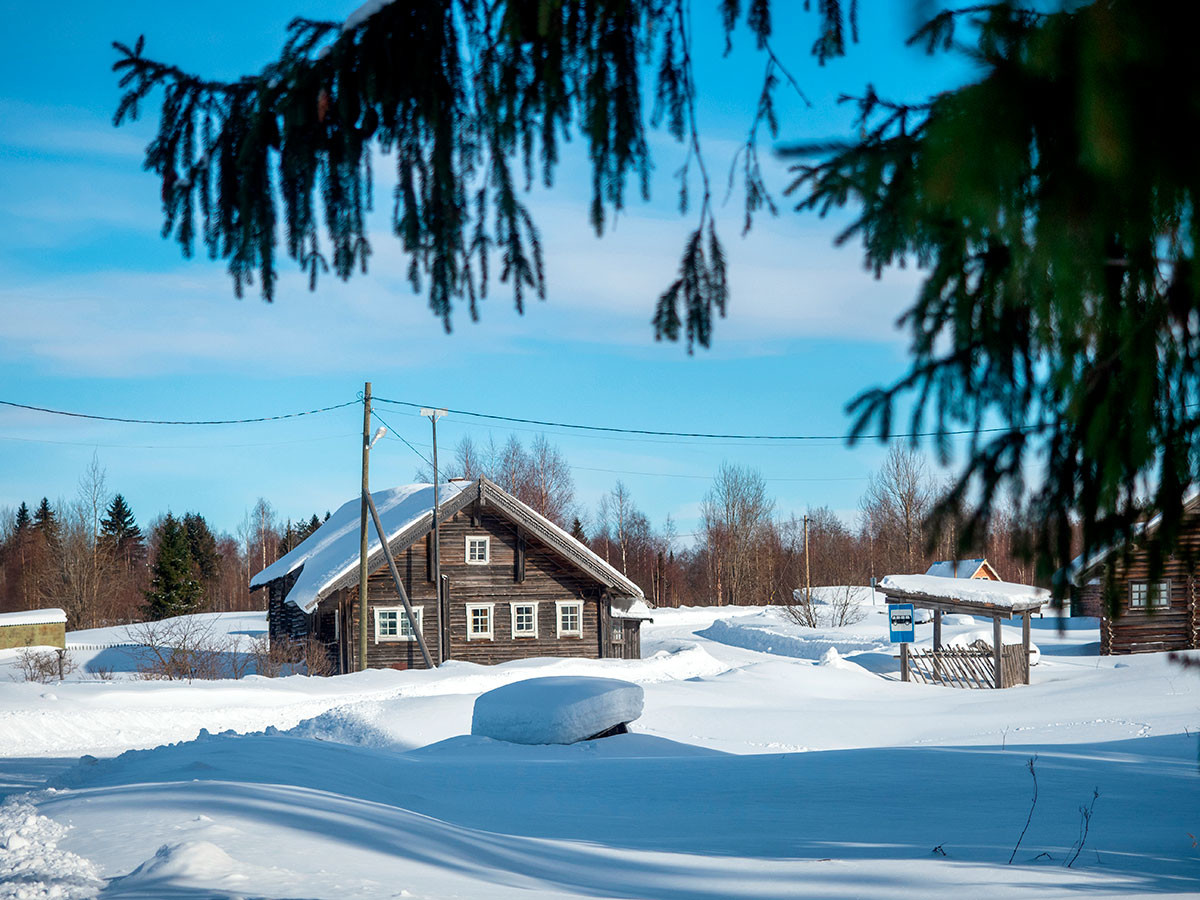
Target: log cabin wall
x,y
1148,629
285,621
547,579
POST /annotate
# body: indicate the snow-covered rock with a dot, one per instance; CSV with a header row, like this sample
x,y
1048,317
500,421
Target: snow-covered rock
x,y
556,709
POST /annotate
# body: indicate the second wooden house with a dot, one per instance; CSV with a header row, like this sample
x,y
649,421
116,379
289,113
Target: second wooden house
x,y
1144,611
514,584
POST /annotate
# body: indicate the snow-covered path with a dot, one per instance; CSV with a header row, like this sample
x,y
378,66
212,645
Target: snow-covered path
x,y
367,785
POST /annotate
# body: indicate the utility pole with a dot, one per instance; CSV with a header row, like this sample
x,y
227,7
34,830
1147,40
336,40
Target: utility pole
x,y
443,644
807,576
362,533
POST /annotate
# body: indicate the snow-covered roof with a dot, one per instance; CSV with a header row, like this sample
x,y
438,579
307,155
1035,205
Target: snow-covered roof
x,y
966,592
561,540
637,610
1080,568
33,617
331,552
328,558
955,568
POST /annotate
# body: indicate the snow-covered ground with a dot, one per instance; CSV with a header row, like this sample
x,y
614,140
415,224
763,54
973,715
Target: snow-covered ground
x,y
770,761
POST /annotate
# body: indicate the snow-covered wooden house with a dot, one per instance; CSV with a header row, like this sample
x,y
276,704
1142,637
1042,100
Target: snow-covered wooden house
x,y
514,584
1159,613
963,568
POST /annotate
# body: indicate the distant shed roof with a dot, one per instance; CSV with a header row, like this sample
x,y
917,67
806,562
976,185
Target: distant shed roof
x,y
967,595
962,568
34,617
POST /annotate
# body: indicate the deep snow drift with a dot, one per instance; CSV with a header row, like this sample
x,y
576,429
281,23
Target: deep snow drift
x,y
370,786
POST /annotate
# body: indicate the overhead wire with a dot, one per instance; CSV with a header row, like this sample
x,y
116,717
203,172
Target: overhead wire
x,y
392,431
132,421
688,434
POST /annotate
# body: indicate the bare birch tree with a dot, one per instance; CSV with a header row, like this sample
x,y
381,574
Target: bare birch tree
x,y
736,509
898,500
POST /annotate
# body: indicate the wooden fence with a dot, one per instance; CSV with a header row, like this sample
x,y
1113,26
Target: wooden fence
x,y
968,667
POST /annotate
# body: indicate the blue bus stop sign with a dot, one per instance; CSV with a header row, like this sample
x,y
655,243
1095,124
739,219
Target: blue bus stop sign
x,y
900,623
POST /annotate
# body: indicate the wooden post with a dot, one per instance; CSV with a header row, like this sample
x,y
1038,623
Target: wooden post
x,y
937,644
443,611
904,662
443,640
998,651
1025,642
807,578
391,561
363,574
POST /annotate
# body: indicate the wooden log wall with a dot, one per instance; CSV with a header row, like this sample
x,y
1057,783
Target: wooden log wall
x,y
1148,629
547,578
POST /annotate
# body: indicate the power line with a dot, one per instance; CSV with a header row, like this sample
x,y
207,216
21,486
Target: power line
x,y
393,431
710,477
309,440
79,415
691,434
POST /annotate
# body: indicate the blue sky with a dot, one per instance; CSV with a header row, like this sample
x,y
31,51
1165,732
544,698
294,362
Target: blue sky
x,y
99,314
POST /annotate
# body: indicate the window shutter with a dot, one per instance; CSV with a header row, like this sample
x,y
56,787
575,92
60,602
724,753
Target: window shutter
x,y
519,559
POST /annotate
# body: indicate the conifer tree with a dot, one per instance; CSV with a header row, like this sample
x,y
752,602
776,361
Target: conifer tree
x,y
577,531
290,538
472,98
119,529
1053,210
202,546
22,521
45,521
174,588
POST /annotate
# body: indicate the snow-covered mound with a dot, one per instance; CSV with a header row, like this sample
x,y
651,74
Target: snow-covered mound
x,y
555,710
768,632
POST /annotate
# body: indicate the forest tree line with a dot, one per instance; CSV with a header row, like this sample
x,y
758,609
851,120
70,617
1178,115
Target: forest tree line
x,y
90,556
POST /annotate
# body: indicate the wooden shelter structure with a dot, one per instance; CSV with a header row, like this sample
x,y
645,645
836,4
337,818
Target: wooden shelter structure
x,y
994,666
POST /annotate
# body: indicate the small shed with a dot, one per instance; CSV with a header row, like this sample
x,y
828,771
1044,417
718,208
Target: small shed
x,y
33,628
998,666
964,568
627,630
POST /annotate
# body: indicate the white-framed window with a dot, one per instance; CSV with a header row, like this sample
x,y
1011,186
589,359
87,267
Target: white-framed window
x,y
479,550
618,631
391,623
524,619
570,618
1144,594
480,618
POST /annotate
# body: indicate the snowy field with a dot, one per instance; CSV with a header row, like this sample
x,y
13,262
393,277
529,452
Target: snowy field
x,y
770,761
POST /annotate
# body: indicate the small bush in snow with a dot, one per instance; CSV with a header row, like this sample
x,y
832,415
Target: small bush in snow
x,y
45,666
835,607
187,649
290,657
